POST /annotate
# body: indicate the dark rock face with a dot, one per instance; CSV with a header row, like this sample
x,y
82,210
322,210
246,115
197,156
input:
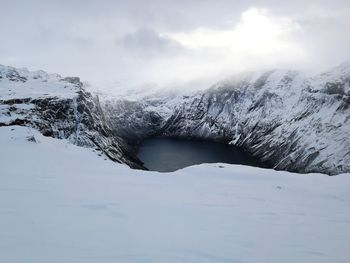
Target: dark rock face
x,y
131,121
13,75
81,121
74,80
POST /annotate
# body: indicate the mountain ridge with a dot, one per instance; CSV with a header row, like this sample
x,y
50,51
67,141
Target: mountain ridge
x,y
282,117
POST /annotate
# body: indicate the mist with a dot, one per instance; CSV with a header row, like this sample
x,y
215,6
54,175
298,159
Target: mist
x,y
118,45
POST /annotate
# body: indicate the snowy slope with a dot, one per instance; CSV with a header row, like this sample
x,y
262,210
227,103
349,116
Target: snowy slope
x,y
62,203
22,83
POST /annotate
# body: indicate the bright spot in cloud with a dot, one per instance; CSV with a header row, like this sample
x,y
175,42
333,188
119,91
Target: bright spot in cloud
x,y
257,33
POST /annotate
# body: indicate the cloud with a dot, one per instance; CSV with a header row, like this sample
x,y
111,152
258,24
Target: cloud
x,y
163,41
149,43
257,34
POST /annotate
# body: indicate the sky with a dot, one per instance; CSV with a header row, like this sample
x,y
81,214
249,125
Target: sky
x,y
137,43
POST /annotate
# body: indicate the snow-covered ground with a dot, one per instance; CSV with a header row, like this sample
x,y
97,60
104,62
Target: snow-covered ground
x,y
63,203
22,83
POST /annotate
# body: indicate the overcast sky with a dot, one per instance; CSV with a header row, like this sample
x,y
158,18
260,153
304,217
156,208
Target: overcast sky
x,y
123,44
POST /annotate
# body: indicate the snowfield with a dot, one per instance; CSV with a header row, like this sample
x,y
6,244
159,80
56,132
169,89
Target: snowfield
x,y
22,83
63,203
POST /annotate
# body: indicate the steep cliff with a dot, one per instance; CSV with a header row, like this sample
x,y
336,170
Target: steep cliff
x,y
61,108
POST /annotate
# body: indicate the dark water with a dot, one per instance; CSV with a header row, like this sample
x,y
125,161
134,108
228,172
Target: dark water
x,y
167,155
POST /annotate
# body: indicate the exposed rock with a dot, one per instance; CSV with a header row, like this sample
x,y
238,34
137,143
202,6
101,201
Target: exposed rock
x,y
72,114
31,139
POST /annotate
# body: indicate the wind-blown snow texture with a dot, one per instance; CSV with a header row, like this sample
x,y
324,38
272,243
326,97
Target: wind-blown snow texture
x,y
289,121
62,203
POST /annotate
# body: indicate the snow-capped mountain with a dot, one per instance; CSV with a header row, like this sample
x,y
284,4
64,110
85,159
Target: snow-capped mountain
x,y
58,107
285,119
282,117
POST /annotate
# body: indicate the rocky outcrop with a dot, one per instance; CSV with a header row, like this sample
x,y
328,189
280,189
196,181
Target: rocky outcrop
x,y
66,112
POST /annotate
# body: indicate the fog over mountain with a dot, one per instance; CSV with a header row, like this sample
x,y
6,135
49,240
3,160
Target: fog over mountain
x,y
123,44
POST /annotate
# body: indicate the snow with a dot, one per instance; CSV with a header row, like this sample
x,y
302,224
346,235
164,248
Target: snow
x,y
63,203
35,85
20,111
